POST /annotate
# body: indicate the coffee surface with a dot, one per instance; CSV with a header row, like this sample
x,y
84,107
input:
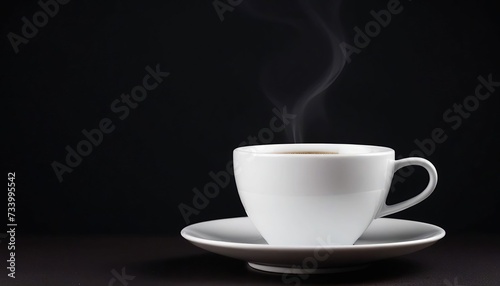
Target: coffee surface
x,y
308,152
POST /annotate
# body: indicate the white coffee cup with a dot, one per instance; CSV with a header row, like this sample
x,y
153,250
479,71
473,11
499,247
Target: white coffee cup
x,y
313,199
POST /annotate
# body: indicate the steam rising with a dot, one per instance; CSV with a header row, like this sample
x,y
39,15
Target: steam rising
x,y
301,70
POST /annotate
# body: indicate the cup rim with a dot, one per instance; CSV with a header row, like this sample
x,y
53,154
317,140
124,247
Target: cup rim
x,y
264,150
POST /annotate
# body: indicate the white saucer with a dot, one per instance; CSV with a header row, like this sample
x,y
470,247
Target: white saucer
x,y
384,238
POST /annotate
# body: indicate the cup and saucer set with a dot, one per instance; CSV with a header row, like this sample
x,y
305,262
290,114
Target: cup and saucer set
x,y
316,208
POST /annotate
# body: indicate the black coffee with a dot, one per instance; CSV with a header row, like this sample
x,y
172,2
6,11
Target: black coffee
x,y
308,152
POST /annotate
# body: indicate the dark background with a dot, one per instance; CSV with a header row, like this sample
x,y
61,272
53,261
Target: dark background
x,y
392,93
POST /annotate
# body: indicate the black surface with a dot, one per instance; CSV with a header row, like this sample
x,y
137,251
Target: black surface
x,y
470,259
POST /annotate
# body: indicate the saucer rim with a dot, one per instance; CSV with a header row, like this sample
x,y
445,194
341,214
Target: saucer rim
x,y
237,245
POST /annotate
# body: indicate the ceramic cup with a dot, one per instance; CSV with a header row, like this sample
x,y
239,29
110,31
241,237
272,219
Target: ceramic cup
x,y
308,198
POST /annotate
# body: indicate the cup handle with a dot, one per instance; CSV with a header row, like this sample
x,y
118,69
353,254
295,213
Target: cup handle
x,y
398,164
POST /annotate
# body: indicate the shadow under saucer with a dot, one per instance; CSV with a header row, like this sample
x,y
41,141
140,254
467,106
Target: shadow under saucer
x,y
219,270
